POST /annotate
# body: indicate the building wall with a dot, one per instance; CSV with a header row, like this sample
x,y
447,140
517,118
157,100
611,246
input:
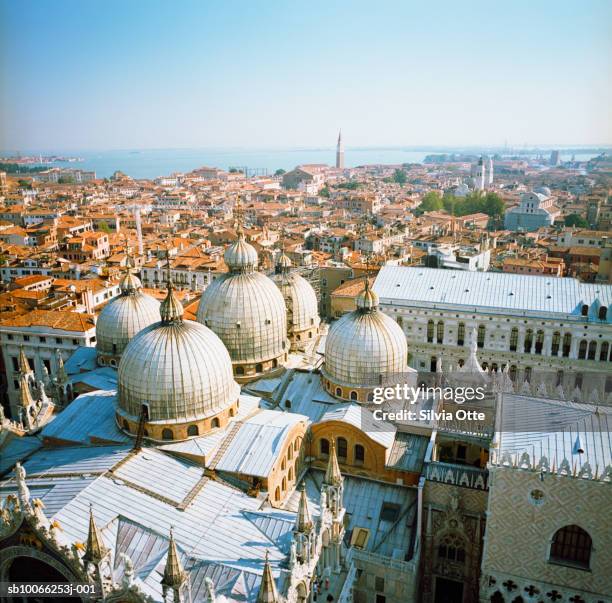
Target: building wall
x,y
40,349
498,335
519,532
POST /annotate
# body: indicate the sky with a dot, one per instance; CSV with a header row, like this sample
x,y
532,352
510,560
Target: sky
x,y
111,74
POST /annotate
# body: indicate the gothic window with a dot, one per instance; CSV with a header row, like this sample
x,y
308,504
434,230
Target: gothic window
x,y
582,350
603,352
451,548
430,331
513,339
440,332
556,342
342,446
324,446
571,545
481,336
592,350
359,453
567,344
528,341
461,333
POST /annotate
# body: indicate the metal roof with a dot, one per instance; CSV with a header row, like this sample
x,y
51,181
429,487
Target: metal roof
x,y
89,415
492,290
257,445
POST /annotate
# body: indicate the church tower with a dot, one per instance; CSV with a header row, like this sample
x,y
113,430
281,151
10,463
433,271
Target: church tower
x,y
340,152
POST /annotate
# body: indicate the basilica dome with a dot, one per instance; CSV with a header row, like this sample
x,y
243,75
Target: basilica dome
x,y
247,311
122,318
301,303
364,349
181,373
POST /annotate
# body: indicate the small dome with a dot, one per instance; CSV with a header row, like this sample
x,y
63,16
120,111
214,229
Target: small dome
x,y
123,317
543,190
365,346
241,256
300,301
284,261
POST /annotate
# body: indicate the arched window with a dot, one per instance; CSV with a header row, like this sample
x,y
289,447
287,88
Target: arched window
x,y
603,351
275,362
539,344
603,313
440,332
239,370
296,445
193,430
430,331
339,392
289,453
287,403
571,545
461,333
353,395
528,341
481,336
359,454
514,339
126,425
284,484
567,344
290,474
582,349
167,434
451,548
592,350
342,446
283,465
556,343
513,371
585,310
258,367
214,423
324,446
232,412
277,494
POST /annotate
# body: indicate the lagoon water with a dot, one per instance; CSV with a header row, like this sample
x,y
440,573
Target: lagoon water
x,y
162,162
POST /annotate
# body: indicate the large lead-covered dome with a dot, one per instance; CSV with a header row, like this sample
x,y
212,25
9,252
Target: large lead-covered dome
x,y
363,350
301,303
180,373
247,311
122,318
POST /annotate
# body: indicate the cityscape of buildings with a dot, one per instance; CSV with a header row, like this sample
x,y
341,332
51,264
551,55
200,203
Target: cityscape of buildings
x,y
189,364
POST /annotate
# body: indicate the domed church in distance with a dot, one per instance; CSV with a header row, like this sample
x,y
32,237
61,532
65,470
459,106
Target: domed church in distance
x,y
247,311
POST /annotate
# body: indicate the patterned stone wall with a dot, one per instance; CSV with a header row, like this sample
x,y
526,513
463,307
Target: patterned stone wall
x,y
520,527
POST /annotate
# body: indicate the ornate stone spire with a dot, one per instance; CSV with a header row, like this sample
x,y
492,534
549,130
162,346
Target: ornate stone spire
x,y
24,365
303,521
174,575
61,376
267,589
333,477
171,309
25,395
95,551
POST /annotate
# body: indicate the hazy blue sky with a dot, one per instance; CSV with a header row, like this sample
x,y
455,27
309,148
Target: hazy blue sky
x,y
100,74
